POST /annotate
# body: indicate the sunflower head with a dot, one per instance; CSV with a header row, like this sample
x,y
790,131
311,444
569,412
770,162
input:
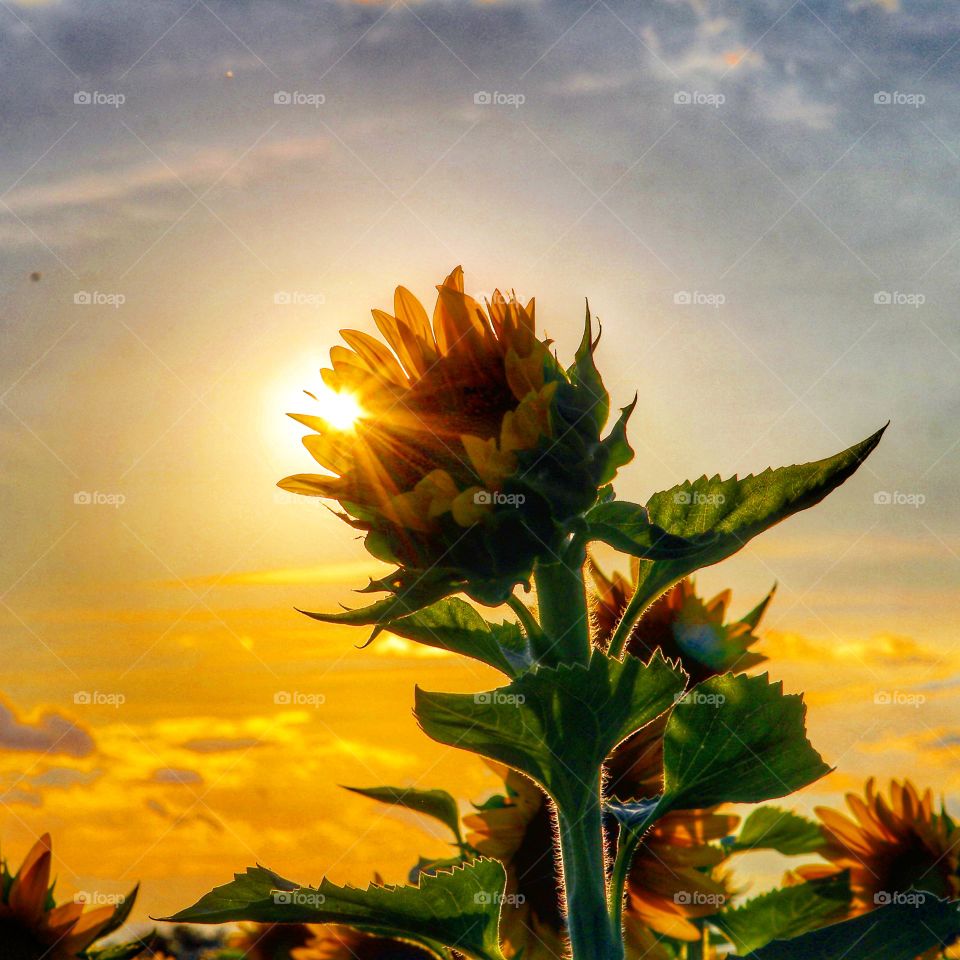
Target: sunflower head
x,y
333,942
474,450
684,626
891,844
34,927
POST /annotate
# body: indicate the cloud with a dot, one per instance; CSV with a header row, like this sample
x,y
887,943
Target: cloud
x,y
176,775
220,744
50,733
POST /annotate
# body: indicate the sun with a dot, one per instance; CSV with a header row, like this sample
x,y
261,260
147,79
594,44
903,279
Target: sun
x,y
339,408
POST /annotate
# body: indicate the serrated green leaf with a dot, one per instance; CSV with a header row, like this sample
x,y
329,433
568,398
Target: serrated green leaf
x,y
785,913
459,909
772,828
737,739
718,517
894,932
556,725
431,803
452,624
627,527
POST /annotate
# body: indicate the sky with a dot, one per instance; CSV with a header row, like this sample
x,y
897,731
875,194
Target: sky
x,y
759,200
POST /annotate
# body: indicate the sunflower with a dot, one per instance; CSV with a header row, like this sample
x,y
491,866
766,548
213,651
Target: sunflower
x,y
333,942
686,628
891,846
473,450
33,927
268,941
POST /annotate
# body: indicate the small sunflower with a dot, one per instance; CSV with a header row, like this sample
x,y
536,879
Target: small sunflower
x,y
891,845
33,927
474,449
686,628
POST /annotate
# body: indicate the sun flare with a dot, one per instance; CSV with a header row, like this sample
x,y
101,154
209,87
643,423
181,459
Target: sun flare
x,y
339,408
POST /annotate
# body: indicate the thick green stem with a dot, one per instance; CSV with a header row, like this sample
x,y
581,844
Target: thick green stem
x,y
592,934
562,602
651,582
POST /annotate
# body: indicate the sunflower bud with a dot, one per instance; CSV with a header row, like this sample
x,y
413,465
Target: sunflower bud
x,y
475,452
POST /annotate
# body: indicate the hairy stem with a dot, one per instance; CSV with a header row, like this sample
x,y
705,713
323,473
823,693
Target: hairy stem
x,y
592,934
562,602
527,620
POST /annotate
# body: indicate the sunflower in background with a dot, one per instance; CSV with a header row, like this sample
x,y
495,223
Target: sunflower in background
x,y
460,421
33,927
891,846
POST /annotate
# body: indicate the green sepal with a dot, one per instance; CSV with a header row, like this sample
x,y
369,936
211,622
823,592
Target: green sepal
x,y
438,804
459,908
556,725
616,446
586,377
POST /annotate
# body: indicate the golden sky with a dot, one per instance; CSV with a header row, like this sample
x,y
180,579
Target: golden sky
x,y
177,265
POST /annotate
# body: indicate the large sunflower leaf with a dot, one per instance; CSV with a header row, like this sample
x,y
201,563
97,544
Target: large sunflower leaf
x,y
459,909
437,804
736,739
718,517
556,725
626,527
452,624
772,828
898,931
785,913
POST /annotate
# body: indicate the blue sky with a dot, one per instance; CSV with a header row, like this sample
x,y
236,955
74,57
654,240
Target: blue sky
x,y
759,199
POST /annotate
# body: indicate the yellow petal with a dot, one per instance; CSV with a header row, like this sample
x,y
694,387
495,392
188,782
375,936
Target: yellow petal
x,y
376,356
